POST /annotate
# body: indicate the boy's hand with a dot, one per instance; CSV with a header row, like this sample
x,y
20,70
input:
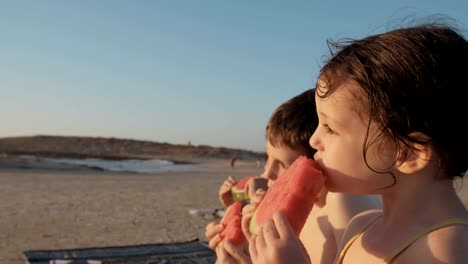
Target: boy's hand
x,y
248,211
229,253
212,231
277,243
256,189
253,186
225,195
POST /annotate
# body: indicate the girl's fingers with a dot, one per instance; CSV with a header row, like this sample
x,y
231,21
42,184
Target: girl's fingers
x,y
270,233
222,256
212,229
260,239
283,227
235,252
245,224
213,243
253,248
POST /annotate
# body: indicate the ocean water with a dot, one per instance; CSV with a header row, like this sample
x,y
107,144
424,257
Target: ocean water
x,y
130,165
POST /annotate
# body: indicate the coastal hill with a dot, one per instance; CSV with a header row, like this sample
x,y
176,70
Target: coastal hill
x,y
116,149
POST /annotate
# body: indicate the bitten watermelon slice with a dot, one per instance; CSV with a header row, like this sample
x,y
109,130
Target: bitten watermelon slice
x,y
232,225
293,193
239,190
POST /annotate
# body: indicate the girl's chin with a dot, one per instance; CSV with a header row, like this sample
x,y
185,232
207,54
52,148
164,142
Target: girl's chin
x,y
330,186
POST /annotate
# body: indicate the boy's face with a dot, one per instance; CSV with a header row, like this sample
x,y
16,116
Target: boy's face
x,y
279,159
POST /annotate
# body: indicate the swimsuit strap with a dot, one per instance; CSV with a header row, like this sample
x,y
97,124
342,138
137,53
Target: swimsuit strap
x,y
351,241
409,242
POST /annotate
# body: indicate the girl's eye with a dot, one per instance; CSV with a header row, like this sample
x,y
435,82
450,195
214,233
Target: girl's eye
x,y
329,130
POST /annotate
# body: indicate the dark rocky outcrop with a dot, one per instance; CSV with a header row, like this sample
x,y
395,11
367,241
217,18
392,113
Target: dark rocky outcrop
x,y
114,148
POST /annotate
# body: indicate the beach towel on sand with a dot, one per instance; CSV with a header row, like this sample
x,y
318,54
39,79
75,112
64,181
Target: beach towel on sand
x,y
193,251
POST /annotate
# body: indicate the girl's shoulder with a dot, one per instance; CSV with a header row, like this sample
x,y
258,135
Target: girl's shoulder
x,y
356,226
446,241
360,222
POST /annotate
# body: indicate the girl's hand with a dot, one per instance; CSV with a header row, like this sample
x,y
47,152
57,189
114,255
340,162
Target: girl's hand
x,y
229,253
277,243
225,195
212,231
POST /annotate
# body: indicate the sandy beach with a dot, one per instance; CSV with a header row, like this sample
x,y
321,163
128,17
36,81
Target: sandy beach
x,y
60,207
53,207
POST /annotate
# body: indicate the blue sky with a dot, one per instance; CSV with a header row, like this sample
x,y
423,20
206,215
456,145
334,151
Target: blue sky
x,y
206,71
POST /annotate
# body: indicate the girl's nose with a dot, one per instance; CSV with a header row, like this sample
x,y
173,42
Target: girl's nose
x,y
315,142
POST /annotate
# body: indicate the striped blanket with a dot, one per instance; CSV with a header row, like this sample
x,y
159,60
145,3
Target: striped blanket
x,y
195,251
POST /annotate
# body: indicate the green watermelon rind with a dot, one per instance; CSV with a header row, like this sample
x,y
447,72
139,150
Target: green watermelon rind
x,y
252,226
239,195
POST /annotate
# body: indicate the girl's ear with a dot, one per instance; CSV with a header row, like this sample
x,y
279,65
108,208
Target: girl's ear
x,y
416,157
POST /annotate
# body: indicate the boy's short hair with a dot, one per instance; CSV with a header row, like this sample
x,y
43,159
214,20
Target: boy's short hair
x,y
293,123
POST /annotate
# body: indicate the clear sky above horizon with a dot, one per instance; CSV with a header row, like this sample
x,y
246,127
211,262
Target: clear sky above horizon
x,y
209,72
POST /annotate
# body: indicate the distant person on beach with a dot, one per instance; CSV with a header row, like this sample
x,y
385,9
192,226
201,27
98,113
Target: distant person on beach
x,y
388,108
287,133
233,161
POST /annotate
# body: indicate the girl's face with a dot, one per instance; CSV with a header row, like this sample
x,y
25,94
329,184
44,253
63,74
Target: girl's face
x,y
279,159
339,140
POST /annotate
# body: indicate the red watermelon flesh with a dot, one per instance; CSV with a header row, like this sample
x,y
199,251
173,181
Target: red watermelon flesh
x,y
232,225
239,190
293,193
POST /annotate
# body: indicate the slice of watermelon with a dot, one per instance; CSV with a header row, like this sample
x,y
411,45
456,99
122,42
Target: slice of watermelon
x,y
239,190
293,193
232,225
